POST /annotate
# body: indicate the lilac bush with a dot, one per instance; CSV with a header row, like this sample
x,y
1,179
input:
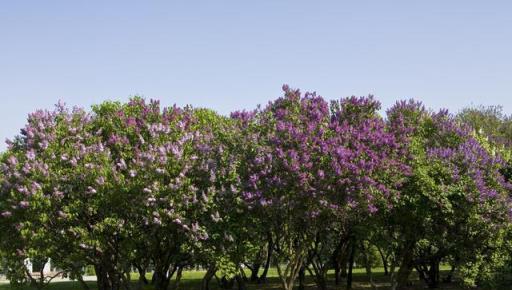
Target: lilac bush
x,y
455,190
300,184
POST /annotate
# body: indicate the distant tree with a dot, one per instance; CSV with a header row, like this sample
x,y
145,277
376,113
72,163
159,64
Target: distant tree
x,y
489,121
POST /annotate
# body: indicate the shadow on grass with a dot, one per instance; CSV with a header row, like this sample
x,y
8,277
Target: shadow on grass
x,y
192,281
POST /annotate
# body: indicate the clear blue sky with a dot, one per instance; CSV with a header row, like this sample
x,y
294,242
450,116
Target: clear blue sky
x,y
235,54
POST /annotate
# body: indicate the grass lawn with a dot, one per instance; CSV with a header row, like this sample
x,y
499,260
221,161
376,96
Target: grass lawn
x,y
191,281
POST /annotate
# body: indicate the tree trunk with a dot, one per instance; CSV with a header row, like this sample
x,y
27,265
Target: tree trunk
x,y
101,278
289,285
240,282
449,278
321,283
428,270
337,272
107,280
368,266
162,277
177,280
319,273
291,271
142,274
433,274
254,272
205,283
84,284
344,261
338,260
406,265
302,277
351,263
263,277
384,262
226,283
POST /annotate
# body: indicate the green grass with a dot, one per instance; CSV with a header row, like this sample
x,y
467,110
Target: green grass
x,y
191,281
